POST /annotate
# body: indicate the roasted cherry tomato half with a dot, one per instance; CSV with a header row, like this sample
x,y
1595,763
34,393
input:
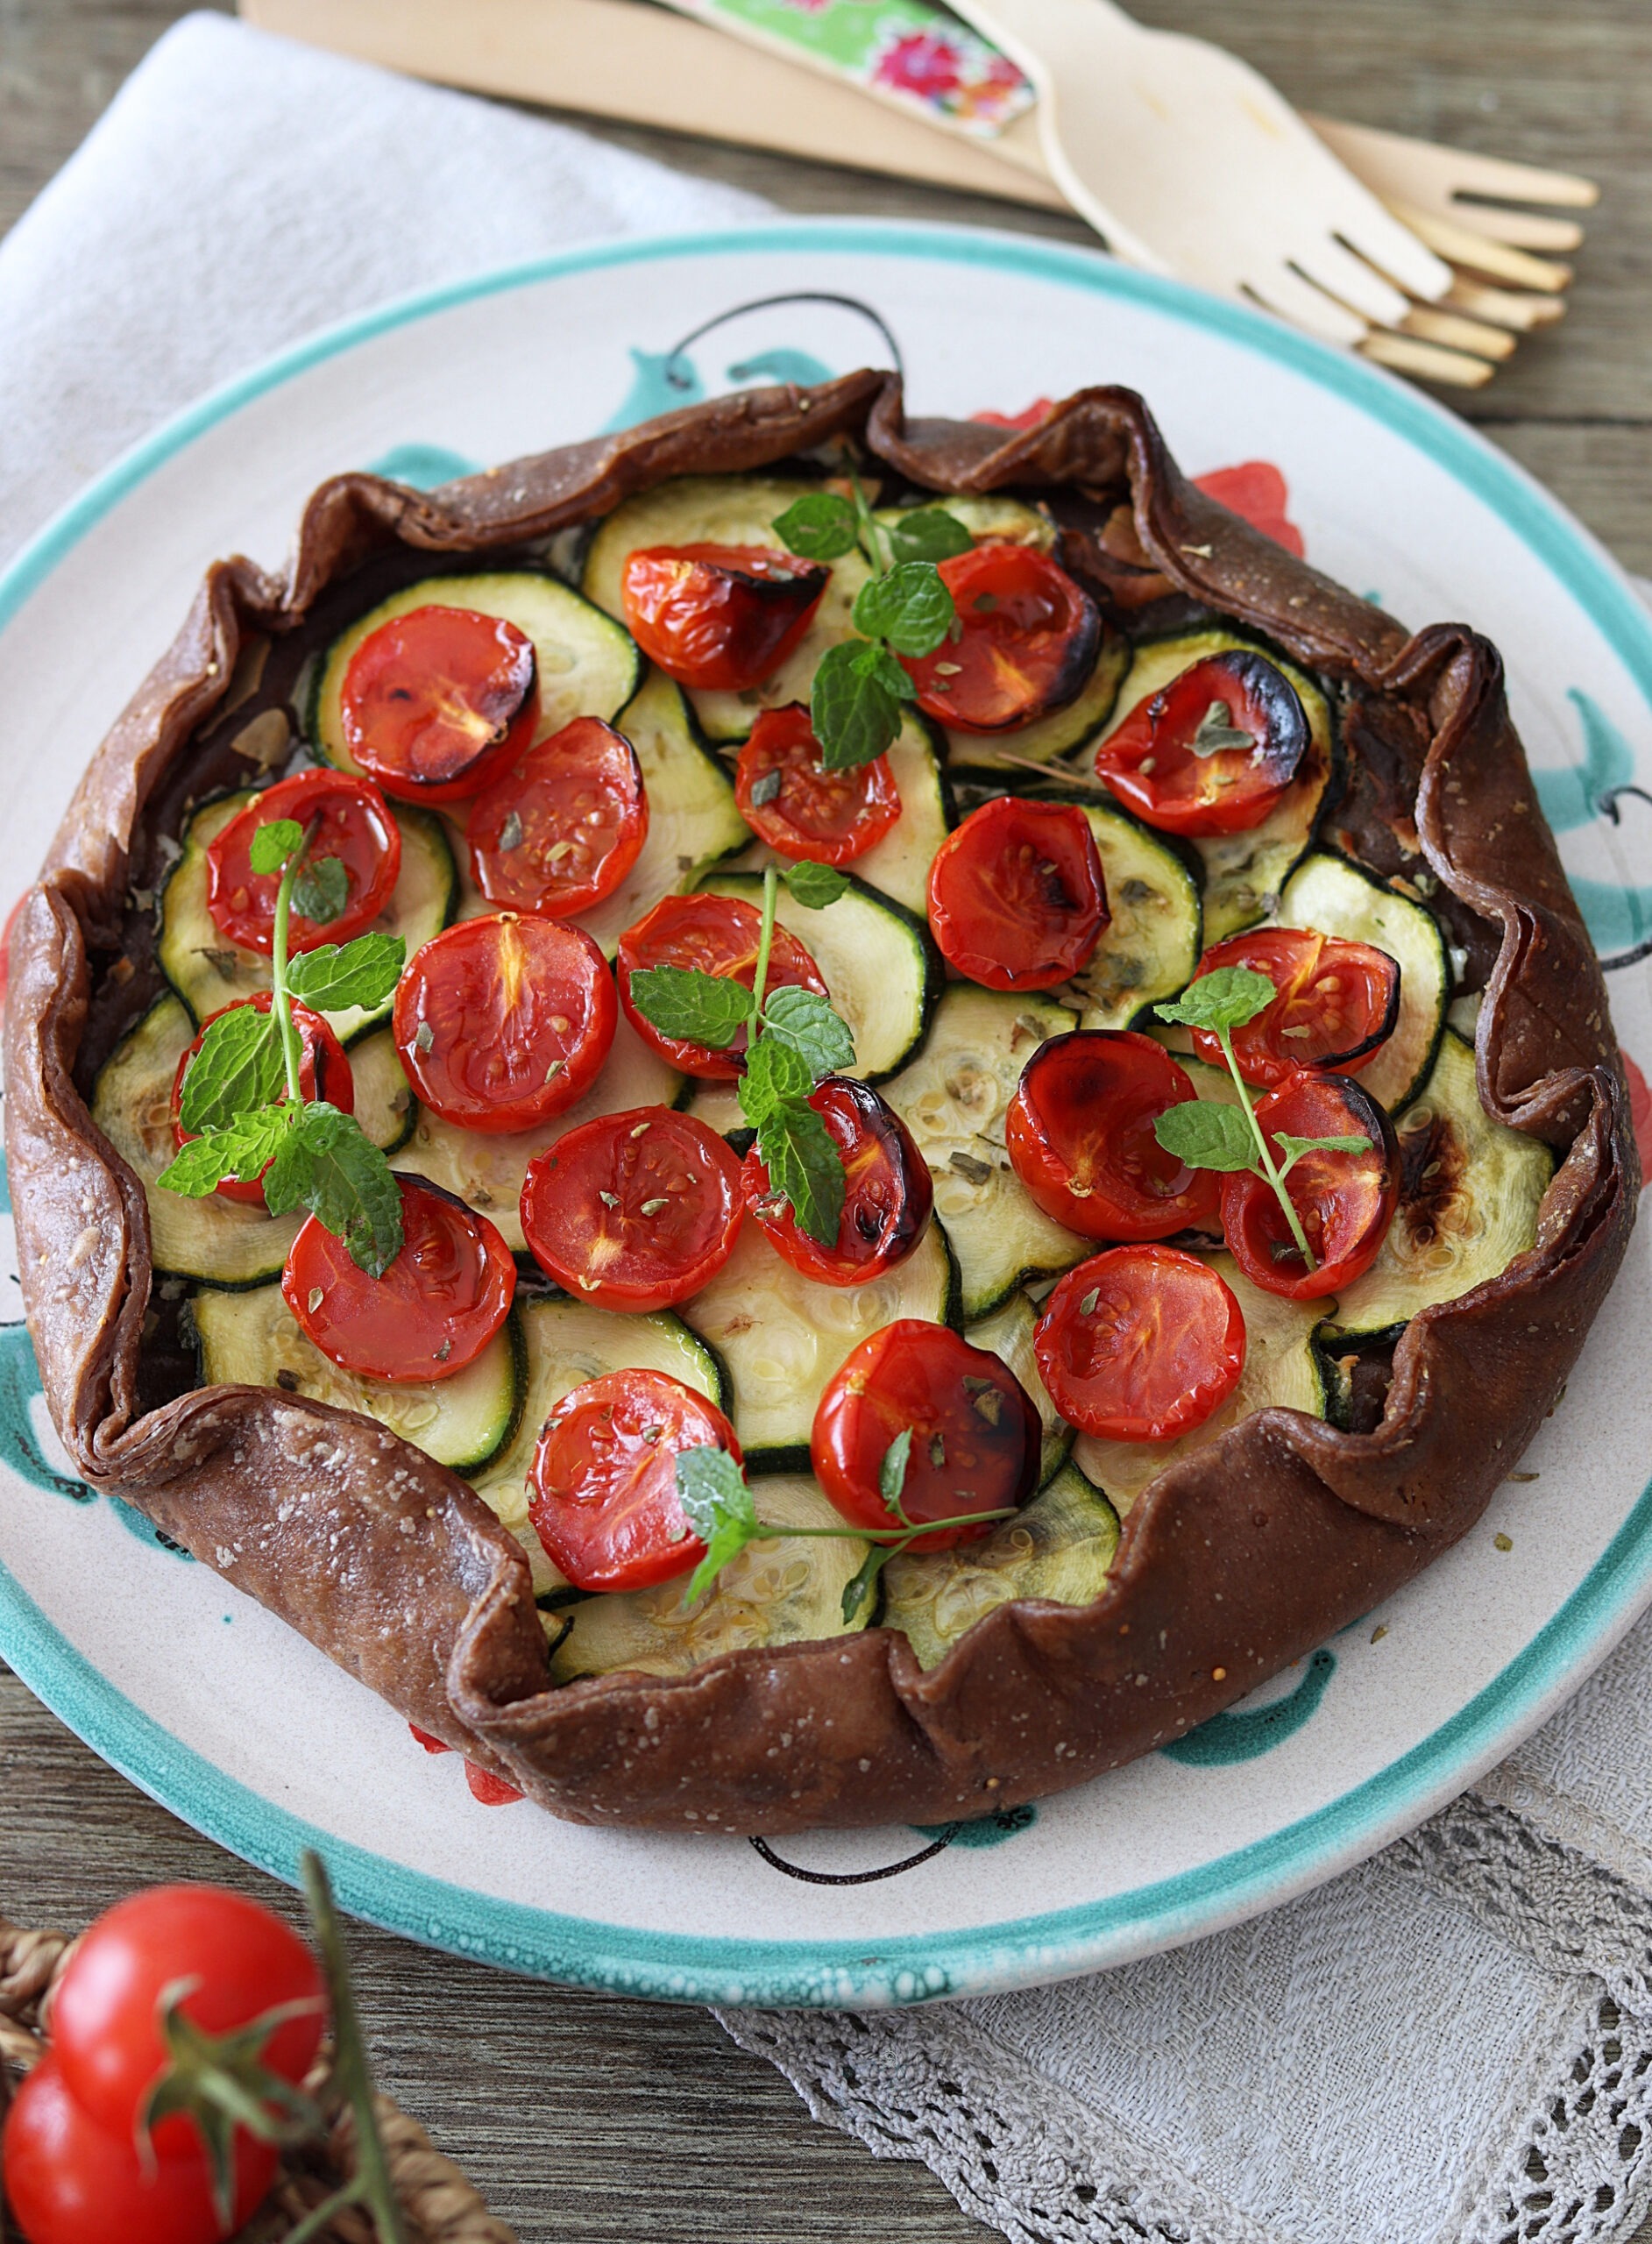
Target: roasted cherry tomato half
x,y
503,1022
975,1433
1214,751
323,1072
717,934
1344,1201
719,616
1140,1343
886,1202
1028,640
633,1211
1080,1136
436,702
1016,896
561,829
791,801
602,1490
1338,1004
352,823
434,1310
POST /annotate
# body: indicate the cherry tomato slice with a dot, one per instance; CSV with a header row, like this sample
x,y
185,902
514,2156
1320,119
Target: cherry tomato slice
x,y
1080,1136
436,702
635,1211
1017,897
503,1022
602,1489
561,829
791,801
718,615
887,1202
1338,1004
434,1310
1029,641
1139,1344
1344,1201
975,1433
355,826
1178,760
323,1072
717,935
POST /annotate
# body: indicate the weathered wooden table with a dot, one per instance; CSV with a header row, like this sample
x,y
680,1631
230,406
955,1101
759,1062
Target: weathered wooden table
x,y
589,2119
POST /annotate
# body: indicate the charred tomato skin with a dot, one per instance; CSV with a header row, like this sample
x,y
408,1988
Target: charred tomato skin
x,y
560,828
436,702
1080,1135
717,935
1029,634
1337,1006
1345,1201
1151,763
323,1073
635,1211
356,828
790,799
1141,1343
887,1199
721,617
1017,899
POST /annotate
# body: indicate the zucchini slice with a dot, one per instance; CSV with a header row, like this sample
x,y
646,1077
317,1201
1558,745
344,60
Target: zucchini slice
x,y
1282,1365
883,970
1337,897
214,1241
587,665
1468,1204
253,1340
208,970
953,1099
486,1170
781,1592
781,1336
1008,1333
1156,933
1064,731
1058,1547
898,865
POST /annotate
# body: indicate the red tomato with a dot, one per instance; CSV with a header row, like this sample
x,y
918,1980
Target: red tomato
x,y
602,1490
791,801
1344,1201
1139,1344
69,2181
1338,1004
1171,760
977,1439
355,826
633,1211
561,829
719,616
1028,642
718,936
1080,1136
888,1196
436,702
323,1072
488,1790
503,1022
434,1310
1016,896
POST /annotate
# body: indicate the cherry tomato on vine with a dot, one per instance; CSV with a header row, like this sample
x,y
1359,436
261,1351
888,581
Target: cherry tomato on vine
x,y
718,615
1080,1135
1016,896
1344,1201
602,1490
560,829
323,1072
1214,751
1140,1343
436,702
888,1194
1028,639
633,1211
977,1439
1338,1004
355,826
717,934
504,1021
791,801
434,1310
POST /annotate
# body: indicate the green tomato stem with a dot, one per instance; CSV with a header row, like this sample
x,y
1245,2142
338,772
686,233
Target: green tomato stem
x,y
372,2185
281,1003
1274,1175
899,1536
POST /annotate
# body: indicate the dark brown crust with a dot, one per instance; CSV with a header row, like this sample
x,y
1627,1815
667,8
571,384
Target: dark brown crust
x,y
1240,1558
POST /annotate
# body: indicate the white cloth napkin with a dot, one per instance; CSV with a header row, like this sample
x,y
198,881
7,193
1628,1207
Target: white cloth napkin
x,y
1452,2045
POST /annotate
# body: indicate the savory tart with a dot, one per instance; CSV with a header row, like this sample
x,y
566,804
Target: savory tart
x,y
802,1119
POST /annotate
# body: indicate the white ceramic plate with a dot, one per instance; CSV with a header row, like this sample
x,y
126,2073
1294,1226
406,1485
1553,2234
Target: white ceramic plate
x,y
240,1727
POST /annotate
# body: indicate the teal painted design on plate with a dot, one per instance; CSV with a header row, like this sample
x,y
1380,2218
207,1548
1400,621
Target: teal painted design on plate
x,y
146,1532
1619,915
660,381
782,365
19,1387
984,1830
1243,1734
422,465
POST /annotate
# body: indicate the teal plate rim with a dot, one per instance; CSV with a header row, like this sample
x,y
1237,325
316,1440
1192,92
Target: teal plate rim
x,y
974,1959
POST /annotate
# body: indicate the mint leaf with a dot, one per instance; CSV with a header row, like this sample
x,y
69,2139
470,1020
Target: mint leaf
x,y
891,1474
910,607
362,973
1207,1135
237,1070
1293,1148
1225,999
862,1582
821,526
854,709
927,534
775,1076
329,1165
273,843
815,885
805,1168
805,1022
697,1008
717,1505
321,891
241,1151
